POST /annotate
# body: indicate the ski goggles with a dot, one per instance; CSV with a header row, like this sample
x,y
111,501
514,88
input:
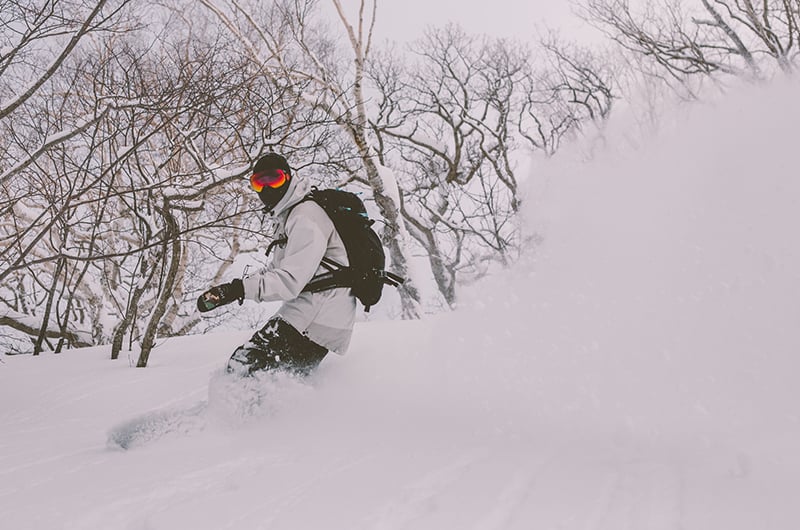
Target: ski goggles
x,y
272,178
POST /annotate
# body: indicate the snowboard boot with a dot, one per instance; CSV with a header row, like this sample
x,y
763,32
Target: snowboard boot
x,y
276,346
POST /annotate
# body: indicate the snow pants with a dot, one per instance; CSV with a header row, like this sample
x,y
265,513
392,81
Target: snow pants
x,y
277,346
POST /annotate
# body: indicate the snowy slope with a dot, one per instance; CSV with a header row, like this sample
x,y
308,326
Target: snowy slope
x,y
639,372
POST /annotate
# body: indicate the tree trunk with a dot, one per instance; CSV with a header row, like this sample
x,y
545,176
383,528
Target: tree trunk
x,y
37,346
396,236
125,324
151,332
128,319
68,309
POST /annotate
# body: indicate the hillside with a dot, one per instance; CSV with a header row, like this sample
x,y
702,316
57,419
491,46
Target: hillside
x,y
637,371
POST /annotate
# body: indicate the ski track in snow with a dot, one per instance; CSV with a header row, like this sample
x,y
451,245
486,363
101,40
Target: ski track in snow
x,y
421,497
646,495
295,497
154,498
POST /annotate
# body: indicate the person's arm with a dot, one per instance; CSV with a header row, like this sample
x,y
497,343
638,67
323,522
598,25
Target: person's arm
x,y
306,244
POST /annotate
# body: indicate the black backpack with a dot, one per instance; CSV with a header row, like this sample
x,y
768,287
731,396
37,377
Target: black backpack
x,y
365,274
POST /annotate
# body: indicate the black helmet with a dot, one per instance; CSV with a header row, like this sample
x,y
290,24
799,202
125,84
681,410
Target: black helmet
x,y
270,179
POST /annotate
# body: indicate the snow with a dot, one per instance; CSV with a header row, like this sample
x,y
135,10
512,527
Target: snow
x,y
25,320
389,183
637,371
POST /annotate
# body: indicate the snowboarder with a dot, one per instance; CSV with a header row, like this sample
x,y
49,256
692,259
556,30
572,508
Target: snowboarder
x,y
308,324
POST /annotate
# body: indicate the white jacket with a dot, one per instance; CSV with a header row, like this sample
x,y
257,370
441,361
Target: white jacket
x,y
327,317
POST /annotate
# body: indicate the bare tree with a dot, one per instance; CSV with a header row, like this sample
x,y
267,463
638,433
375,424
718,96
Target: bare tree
x,y
36,41
38,117
144,140
687,41
456,119
31,28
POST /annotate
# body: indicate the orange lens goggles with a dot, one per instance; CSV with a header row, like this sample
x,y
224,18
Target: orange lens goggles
x,y
273,178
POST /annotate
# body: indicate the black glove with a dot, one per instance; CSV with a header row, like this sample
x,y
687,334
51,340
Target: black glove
x,y
221,295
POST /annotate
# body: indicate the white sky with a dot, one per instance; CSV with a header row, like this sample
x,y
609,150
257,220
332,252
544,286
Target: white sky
x,y
405,20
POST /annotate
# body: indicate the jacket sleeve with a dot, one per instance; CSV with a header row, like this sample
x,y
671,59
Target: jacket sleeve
x,y
306,244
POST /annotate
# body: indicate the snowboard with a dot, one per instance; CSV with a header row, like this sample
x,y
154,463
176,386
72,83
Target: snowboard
x,y
233,401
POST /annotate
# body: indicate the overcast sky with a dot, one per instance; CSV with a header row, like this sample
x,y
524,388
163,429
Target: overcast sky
x,y
405,20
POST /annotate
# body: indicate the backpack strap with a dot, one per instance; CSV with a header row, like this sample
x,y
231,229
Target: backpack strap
x,y
275,243
338,275
390,278
344,278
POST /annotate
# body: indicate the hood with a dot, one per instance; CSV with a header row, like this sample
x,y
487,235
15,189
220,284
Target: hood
x,y
298,188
